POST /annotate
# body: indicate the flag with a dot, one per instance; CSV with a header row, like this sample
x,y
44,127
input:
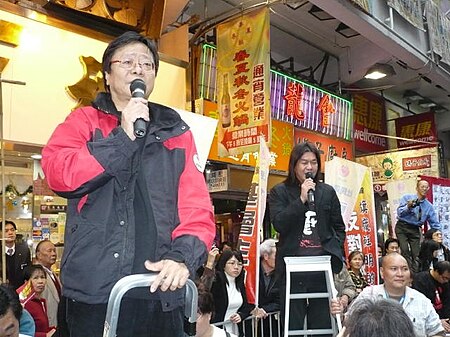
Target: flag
x,y
251,227
25,292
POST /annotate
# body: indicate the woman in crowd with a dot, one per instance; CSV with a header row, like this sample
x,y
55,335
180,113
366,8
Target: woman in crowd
x,y
356,261
427,254
37,306
227,287
436,235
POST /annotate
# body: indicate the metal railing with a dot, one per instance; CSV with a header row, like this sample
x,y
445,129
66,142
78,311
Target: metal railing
x,y
259,327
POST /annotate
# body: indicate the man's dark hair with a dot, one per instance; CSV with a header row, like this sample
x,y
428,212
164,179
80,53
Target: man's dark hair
x,y
376,318
29,271
441,267
388,242
123,40
9,222
297,152
9,300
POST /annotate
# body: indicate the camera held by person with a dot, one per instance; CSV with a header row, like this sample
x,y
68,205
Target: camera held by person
x,y
414,203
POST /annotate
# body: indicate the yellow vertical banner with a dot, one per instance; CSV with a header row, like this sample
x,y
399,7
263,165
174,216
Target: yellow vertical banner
x,y
243,83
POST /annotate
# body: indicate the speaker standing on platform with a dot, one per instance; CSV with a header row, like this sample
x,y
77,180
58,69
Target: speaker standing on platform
x,y
306,231
134,204
414,210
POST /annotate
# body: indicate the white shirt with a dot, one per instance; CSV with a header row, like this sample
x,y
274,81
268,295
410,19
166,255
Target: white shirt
x,y
8,248
416,305
234,303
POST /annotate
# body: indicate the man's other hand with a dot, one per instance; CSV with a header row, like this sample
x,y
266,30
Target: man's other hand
x,y
172,275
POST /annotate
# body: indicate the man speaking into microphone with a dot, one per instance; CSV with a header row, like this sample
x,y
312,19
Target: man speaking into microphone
x,y
137,199
307,215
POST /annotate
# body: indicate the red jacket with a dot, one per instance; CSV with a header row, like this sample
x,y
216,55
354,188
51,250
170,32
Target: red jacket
x,y
91,161
38,310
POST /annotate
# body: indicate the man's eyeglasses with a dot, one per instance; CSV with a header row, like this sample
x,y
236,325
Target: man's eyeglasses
x,y
146,65
235,263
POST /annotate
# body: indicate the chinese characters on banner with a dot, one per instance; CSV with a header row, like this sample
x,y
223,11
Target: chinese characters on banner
x,y
251,227
243,65
418,127
353,185
327,146
369,122
280,149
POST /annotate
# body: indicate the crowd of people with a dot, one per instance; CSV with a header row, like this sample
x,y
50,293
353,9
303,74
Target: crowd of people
x,y
138,203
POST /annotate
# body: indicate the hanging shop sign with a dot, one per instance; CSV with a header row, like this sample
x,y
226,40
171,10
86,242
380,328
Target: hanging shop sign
x,y
418,127
280,149
369,124
402,164
217,180
329,147
243,65
309,107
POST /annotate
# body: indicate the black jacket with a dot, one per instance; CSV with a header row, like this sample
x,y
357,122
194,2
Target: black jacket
x,y
287,214
427,285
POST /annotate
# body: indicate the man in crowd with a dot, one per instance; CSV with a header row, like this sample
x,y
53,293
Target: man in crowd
x,y
46,256
269,291
396,274
434,285
18,256
414,210
392,245
137,199
307,214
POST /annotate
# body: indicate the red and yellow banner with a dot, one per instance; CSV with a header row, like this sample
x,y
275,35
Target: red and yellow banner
x,y
251,227
243,65
353,185
280,149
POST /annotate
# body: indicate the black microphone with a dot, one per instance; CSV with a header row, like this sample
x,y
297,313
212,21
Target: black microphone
x,y
137,88
311,200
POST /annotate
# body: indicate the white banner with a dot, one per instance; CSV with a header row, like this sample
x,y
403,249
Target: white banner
x,y
395,190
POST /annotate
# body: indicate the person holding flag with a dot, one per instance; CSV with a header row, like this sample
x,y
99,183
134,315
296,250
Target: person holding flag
x,y
307,215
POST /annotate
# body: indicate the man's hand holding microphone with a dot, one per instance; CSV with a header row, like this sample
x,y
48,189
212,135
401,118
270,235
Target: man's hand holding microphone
x,y
307,190
136,114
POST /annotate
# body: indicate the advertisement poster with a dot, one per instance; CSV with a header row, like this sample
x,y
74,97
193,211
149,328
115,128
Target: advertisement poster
x,y
401,165
419,127
243,65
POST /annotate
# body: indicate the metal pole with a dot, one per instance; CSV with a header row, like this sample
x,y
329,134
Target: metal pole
x,y
2,163
2,159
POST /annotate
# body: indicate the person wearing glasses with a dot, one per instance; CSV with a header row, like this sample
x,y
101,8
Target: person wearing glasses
x,y
434,284
414,210
308,225
436,235
137,201
226,284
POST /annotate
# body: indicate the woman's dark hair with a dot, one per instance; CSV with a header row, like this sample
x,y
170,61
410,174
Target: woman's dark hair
x,y
429,233
354,253
205,302
123,40
9,300
30,270
297,152
224,257
426,254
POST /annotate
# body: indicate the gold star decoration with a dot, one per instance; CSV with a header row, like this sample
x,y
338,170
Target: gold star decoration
x,y
86,89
